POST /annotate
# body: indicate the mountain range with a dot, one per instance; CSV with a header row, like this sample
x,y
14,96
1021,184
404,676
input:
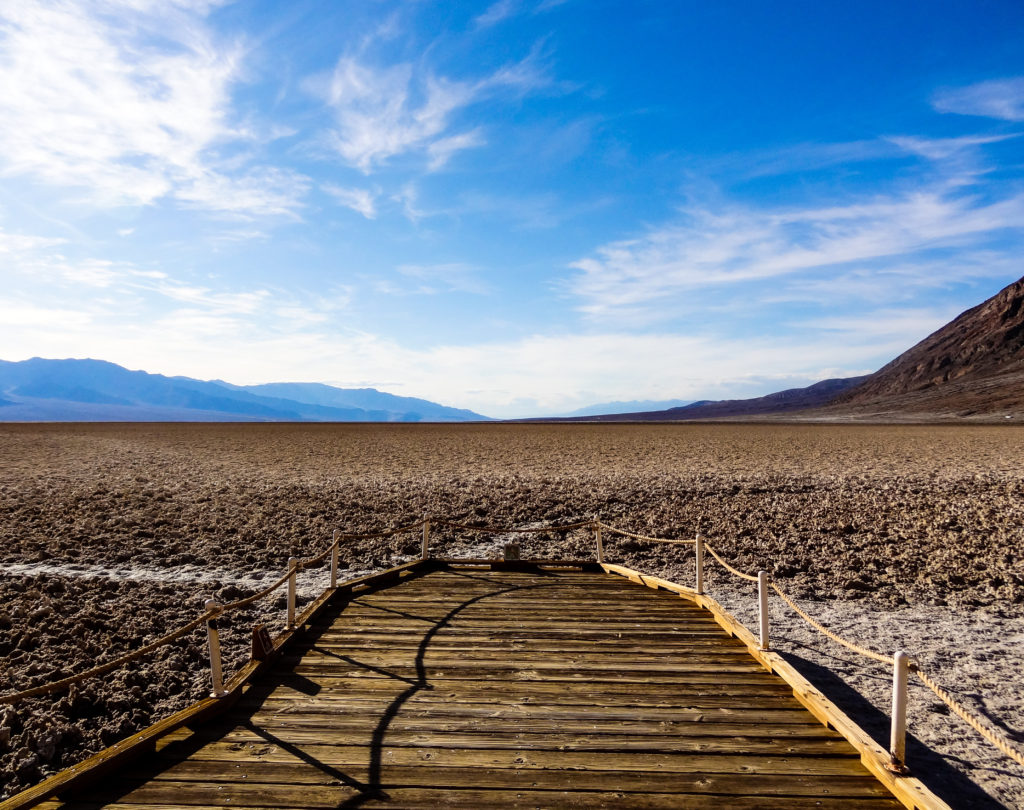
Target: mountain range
x,y
971,368
95,390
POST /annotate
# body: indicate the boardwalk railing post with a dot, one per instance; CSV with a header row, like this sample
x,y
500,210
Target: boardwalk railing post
x,y
600,540
762,603
213,637
898,736
425,550
292,567
334,560
699,561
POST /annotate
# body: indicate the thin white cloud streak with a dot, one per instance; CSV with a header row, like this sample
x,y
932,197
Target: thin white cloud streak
x,y
385,112
126,101
940,149
503,10
15,244
640,278
998,98
452,277
360,200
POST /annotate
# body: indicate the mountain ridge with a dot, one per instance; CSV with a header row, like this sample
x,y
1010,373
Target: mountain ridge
x,y
973,366
41,389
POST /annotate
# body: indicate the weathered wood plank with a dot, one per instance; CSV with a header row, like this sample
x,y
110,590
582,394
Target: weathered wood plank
x,y
298,773
601,696
414,798
695,709
699,725
266,750
558,742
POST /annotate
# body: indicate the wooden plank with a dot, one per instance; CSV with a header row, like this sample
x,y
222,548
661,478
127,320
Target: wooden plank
x,y
505,659
327,738
599,695
266,750
573,668
691,708
288,796
298,773
697,725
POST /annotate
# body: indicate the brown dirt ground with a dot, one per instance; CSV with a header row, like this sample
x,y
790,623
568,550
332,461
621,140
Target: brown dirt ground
x,y
902,536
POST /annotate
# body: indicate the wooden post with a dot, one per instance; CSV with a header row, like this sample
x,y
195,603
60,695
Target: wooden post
x,y
424,551
762,602
334,559
292,566
600,540
898,735
699,560
213,638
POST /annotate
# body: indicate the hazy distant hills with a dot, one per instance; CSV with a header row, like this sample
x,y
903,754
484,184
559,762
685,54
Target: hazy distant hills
x,y
95,390
792,399
632,406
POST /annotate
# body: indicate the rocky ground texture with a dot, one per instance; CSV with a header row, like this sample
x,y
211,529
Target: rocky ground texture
x,y
902,536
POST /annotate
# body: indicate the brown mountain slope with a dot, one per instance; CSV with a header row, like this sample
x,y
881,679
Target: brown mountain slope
x,y
974,365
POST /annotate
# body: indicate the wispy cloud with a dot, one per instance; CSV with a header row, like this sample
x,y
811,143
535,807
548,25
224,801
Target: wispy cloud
x,y
386,112
126,101
452,277
727,245
998,98
16,244
360,200
945,148
502,10
497,12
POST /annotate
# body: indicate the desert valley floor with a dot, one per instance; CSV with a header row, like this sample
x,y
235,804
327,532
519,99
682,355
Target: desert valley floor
x,y
902,537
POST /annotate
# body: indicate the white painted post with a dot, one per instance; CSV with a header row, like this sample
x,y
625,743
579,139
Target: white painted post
x,y
292,567
334,559
213,638
762,601
699,559
898,737
424,551
600,540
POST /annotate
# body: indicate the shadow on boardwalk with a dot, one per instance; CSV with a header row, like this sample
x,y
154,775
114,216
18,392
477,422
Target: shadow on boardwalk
x,y
938,774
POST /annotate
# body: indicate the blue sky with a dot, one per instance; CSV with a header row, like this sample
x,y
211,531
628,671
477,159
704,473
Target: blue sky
x,y
521,207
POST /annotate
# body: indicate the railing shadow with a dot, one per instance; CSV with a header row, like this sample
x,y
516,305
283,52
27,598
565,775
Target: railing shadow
x,y
374,789
941,778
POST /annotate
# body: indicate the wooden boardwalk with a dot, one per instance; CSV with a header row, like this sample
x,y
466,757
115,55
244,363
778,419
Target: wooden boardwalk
x,y
479,688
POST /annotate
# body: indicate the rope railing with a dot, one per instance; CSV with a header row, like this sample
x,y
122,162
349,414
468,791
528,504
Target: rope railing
x,y
882,659
900,661
990,734
110,666
726,565
210,615
643,537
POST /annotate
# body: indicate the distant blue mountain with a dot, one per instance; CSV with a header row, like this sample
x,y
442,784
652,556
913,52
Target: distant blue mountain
x,y
95,390
369,399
